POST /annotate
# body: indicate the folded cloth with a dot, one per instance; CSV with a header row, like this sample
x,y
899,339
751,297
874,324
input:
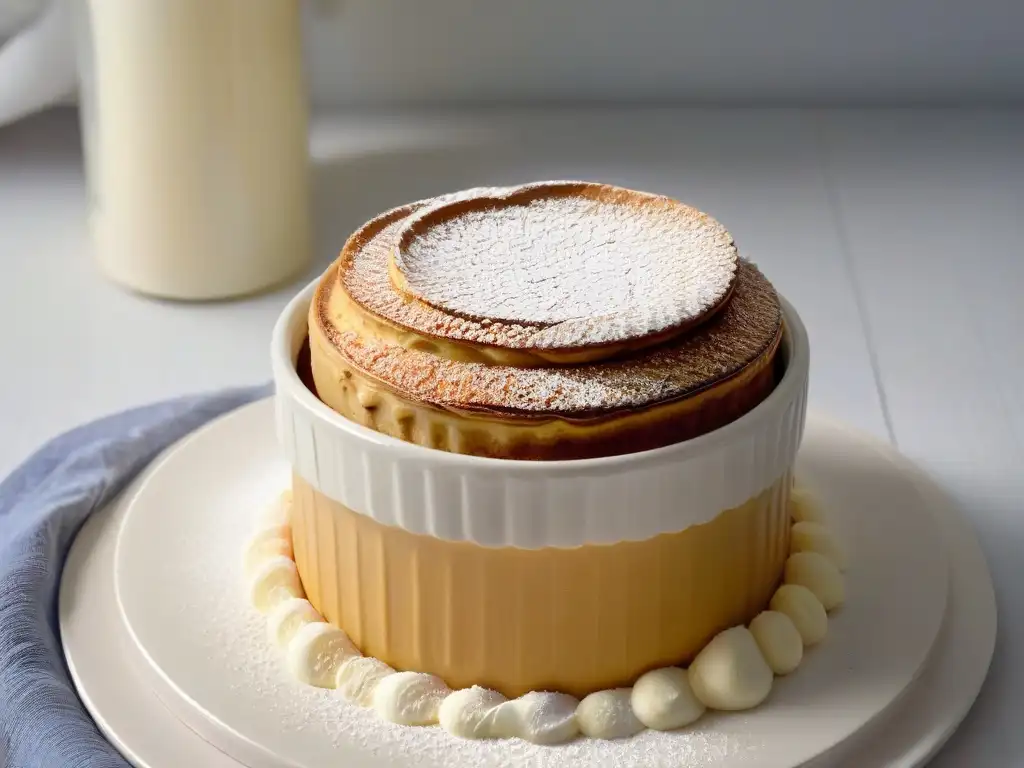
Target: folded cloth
x,y
37,66
43,504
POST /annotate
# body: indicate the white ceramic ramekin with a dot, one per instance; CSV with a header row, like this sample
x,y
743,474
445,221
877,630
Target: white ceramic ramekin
x,y
528,504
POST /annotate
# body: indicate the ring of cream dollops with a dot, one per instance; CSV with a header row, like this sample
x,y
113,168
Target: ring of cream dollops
x,y
734,672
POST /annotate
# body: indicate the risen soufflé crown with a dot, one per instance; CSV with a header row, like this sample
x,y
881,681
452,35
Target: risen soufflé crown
x,y
556,320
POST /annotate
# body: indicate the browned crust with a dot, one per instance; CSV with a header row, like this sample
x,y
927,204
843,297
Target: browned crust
x,y
671,372
609,434
420,213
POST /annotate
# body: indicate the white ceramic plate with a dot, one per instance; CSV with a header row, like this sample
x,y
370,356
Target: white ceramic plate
x,y
204,515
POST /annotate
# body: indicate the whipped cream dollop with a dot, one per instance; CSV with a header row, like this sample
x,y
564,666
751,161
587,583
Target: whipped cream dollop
x,y
274,581
663,699
358,678
804,609
316,652
410,698
816,572
729,673
470,713
274,540
804,505
608,715
540,717
779,640
288,617
733,672
809,536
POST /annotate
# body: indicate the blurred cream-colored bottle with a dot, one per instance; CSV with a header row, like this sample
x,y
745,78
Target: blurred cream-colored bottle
x,y
194,118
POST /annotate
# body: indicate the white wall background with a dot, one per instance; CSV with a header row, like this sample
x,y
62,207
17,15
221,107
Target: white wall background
x,y
691,51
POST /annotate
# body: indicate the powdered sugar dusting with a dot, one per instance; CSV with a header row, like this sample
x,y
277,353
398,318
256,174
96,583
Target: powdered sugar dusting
x,y
744,329
363,274
741,332
588,262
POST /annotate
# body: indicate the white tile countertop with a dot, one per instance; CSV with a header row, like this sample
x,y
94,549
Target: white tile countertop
x,y
895,234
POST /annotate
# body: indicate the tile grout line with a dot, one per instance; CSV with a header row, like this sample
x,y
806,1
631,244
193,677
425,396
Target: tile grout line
x,y
846,256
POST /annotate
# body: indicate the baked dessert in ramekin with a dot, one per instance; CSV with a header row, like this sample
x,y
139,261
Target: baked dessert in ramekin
x,y
545,436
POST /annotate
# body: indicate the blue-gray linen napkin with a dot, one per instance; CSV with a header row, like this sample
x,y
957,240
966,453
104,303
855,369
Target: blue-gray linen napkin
x,y
43,504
